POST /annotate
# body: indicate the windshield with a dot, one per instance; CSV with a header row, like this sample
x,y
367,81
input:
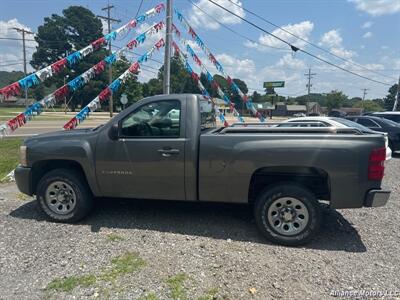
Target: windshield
x,y
389,122
352,124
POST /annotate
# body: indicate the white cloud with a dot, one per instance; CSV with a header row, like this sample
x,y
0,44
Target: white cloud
x,y
367,25
302,30
291,62
367,35
11,50
199,19
377,7
331,38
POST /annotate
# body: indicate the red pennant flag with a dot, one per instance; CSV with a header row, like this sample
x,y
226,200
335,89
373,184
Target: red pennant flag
x,y
160,44
134,68
132,44
10,90
98,43
59,65
99,67
71,124
106,93
61,92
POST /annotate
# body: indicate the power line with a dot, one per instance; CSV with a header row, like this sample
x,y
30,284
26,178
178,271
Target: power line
x,y
13,64
310,43
295,49
234,31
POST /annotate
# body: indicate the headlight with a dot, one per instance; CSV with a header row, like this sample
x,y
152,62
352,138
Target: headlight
x,y
22,156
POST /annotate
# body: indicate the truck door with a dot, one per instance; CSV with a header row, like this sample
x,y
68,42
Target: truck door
x,y
148,159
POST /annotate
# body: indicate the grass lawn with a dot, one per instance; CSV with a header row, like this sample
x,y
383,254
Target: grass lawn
x,y
9,155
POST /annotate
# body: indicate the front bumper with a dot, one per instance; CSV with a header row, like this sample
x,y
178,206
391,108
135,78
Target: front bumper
x,y
376,198
23,178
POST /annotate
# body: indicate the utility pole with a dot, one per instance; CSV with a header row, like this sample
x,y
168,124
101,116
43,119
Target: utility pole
x,y
109,20
23,31
167,57
397,96
364,94
308,85
363,98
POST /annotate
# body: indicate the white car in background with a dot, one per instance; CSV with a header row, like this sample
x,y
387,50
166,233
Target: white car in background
x,y
333,122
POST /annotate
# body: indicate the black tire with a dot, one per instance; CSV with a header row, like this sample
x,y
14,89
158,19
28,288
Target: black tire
x,y
273,195
82,204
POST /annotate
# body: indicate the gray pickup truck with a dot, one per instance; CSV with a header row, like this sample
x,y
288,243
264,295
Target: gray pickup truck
x,y
167,147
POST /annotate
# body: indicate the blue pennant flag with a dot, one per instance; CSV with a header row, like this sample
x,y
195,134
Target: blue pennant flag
x,y
209,77
235,87
141,18
34,108
199,42
28,81
73,58
141,38
226,99
111,59
76,83
111,36
179,15
188,67
206,94
114,86
81,116
143,58
219,67
190,50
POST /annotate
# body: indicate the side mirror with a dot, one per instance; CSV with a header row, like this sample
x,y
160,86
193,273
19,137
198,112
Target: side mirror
x,y
113,132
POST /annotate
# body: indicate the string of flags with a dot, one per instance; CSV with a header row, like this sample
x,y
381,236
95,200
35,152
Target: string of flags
x,y
248,102
209,76
72,59
112,88
196,78
76,83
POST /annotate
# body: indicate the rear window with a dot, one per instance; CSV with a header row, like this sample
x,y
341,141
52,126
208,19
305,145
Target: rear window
x,y
395,118
207,116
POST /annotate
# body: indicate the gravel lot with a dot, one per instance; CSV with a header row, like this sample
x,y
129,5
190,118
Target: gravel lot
x,y
163,250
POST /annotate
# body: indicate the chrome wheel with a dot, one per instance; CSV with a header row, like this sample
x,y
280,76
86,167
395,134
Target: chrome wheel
x,y
288,216
60,197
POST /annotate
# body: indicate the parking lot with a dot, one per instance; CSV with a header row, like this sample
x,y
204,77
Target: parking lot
x,y
165,250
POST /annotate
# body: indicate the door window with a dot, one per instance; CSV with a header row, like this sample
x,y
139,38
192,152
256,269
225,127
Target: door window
x,y
367,123
157,119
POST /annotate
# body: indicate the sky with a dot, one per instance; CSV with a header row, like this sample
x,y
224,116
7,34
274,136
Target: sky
x,y
363,32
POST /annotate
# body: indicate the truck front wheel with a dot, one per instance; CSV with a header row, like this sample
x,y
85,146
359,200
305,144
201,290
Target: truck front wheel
x,y
287,214
64,195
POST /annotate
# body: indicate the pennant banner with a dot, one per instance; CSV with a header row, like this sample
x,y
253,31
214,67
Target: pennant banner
x,y
218,66
72,59
73,85
196,78
209,76
112,88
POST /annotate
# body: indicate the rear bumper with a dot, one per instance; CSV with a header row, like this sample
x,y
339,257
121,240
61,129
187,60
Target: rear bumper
x,y
23,178
376,198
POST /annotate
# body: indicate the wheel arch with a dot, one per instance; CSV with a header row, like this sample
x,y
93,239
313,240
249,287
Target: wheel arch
x,y
314,179
40,168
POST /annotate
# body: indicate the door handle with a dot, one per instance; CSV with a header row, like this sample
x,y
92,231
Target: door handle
x,y
168,152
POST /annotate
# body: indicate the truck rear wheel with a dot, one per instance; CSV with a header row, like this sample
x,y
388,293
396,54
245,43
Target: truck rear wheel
x,y
287,214
64,195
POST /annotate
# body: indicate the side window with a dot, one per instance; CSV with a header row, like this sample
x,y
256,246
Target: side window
x,y
367,123
157,119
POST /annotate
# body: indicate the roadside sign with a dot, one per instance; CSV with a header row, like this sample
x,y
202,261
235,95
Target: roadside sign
x,y
274,84
124,99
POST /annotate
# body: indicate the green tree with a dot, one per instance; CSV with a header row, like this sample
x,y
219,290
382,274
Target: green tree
x,y
389,99
335,99
368,105
61,35
132,87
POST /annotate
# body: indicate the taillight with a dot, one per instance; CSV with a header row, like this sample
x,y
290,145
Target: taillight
x,y
376,166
